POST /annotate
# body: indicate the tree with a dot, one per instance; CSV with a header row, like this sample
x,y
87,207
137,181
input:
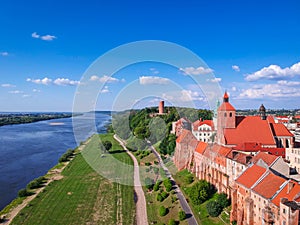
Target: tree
x,y
189,178
200,192
172,222
214,208
223,200
181,215
107,145
149,183
23,193
168,184
163,211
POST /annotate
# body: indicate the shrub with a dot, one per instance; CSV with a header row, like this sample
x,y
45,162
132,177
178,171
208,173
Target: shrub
x,y
159,197
168,184
155,170
147,163
156,187
23,193
214,208
107,145
164,195
172,222
163,211
200,192
36,183
189,178
223,200
149,183
181,215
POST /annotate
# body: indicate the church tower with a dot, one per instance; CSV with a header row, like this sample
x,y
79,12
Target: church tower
x,y
226,117
262,112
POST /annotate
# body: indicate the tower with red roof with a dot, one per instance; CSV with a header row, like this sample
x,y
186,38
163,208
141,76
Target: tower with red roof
x,y
226,117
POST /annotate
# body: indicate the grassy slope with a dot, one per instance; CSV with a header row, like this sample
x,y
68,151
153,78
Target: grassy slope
x,y
83,196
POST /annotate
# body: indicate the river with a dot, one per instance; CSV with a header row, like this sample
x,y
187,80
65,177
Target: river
x,y
29,150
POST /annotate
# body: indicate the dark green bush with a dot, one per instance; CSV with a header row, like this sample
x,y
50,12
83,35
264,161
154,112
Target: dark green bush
x,y
23,193
172,222
181,215
163,211
214,208
168,184
223,200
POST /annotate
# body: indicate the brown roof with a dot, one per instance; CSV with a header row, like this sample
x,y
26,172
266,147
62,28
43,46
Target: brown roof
x,y
251,175
269,185
250,129
226,106
267,158
201,147
291,191
280,130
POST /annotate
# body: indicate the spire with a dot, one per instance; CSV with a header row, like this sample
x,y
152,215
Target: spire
x,y
262,112
226,97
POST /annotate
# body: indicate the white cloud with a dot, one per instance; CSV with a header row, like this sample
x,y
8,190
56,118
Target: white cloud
x,y
35,35
271,90
47,37
236,68
36,90
45,81
188,95
145,80
25,96
196,71
233,88
58,81
16,92
105,90
106,79
289,83
4,53
65,82
274,72
214,80
7,85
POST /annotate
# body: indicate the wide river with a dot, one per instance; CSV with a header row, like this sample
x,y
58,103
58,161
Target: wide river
x,y
29,150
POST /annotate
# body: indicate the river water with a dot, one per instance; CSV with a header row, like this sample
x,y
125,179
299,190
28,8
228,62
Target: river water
x,y
29,150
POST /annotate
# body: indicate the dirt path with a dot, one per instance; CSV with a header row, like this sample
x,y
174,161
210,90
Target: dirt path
x,y
141,210
55,174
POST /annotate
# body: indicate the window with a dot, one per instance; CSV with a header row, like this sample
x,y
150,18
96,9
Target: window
x,y
225,114
283,210
230,114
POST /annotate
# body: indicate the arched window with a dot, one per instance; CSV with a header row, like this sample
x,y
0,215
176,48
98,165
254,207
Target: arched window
x,y
225,114
230,114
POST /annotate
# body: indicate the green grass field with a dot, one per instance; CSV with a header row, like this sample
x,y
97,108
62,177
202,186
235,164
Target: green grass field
x,y
82,196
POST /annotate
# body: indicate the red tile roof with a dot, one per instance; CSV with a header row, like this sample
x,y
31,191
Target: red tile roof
x,y
280,130
201,147
239,157
269,185
226,106
291,195
250,129
182,137
251,175
267,158
199,123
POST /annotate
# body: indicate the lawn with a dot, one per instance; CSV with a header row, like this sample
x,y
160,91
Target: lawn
x,y
83,196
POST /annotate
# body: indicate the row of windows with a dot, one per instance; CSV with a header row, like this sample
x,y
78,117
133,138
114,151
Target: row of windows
x,y
230,114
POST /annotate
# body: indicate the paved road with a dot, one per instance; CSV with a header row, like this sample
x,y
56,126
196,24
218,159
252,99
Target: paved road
x,y
185,206
141,207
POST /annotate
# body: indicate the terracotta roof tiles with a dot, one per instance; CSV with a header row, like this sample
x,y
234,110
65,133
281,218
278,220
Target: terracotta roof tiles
x,y
251,175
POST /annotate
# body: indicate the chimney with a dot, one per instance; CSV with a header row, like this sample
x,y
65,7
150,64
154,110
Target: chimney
x,y
161,107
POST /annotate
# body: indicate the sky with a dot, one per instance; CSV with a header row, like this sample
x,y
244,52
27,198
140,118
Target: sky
x,y
49,49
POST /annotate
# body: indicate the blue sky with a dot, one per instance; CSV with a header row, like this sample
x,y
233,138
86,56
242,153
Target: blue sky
x,y
251,47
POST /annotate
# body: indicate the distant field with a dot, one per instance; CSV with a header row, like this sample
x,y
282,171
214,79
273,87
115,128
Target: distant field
x,y
83,196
